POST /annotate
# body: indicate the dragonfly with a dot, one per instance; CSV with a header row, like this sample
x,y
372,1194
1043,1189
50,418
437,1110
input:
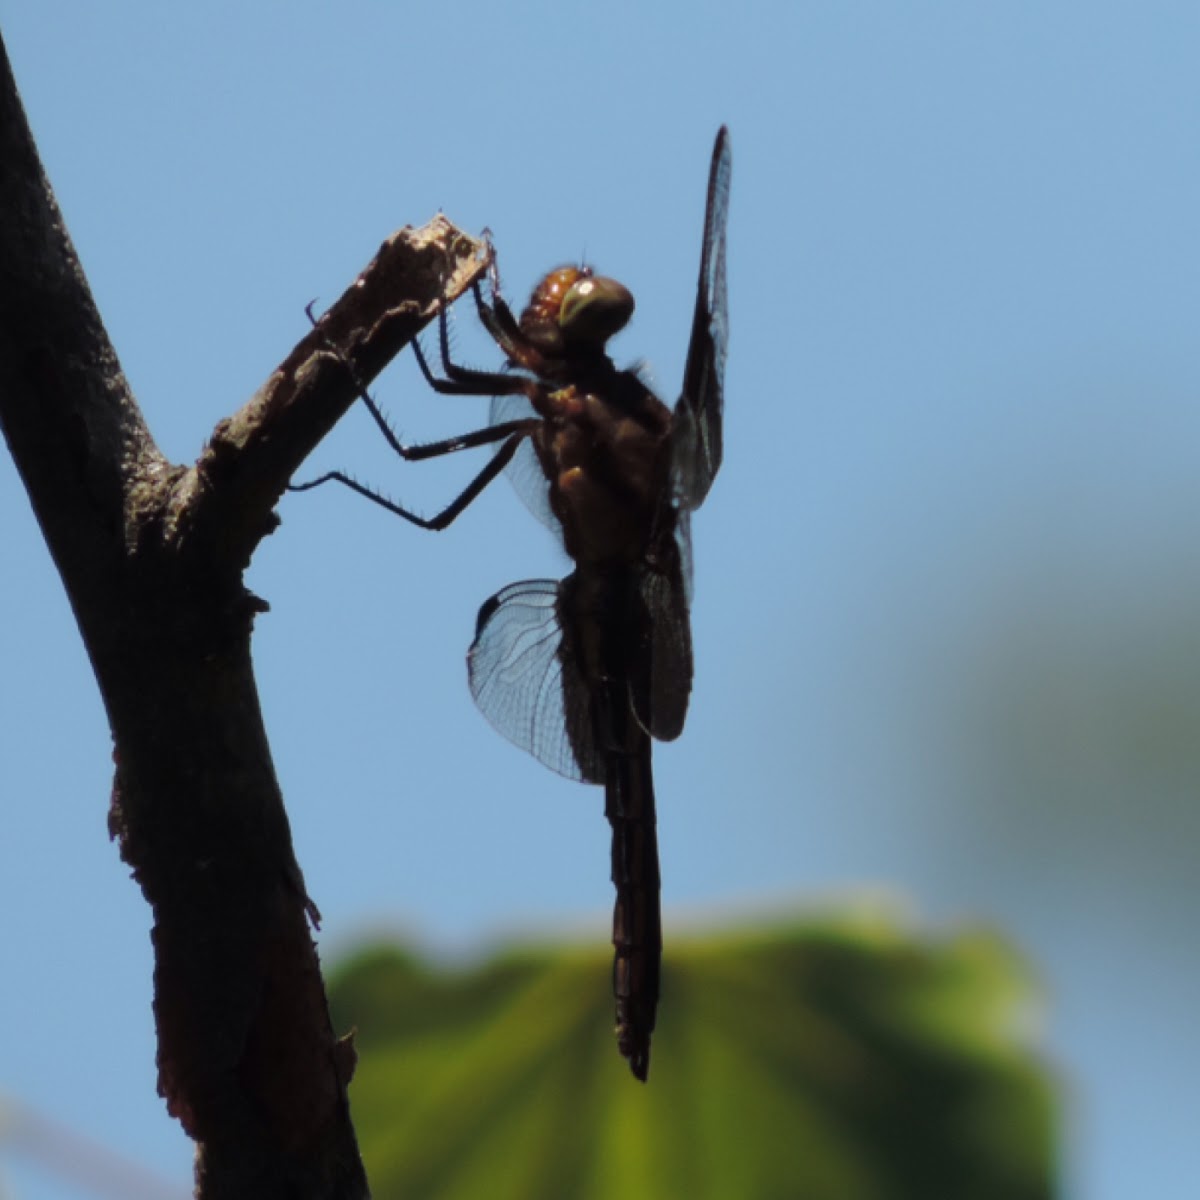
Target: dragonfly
x,y
585,672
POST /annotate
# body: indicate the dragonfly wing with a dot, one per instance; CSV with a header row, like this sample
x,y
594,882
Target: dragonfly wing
x,y
683,547
697,427
664,594
526,682
525,471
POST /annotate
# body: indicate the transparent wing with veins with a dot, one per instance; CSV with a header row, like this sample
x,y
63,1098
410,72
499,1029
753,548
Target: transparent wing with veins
x,y
525,471
527,685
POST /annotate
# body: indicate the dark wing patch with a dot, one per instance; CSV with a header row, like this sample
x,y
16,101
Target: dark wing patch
x,y
665,597
697,433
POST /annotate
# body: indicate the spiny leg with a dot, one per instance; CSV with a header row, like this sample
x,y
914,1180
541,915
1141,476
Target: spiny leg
x,y
514,431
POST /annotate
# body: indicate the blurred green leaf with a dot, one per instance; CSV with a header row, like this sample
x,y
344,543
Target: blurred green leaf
x,y
841,1058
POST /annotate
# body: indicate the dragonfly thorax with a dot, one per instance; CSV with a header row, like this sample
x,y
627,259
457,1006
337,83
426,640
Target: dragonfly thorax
x,y
605,450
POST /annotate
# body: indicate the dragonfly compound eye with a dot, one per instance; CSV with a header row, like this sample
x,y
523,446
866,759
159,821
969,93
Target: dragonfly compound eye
x,y
593,309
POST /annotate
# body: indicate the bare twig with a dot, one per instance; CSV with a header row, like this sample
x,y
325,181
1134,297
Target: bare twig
x,y
151,554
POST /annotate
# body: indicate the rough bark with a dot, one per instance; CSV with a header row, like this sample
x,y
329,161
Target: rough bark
x,y
152,555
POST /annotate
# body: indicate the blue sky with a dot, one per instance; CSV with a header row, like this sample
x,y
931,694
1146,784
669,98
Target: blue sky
x,y
947,614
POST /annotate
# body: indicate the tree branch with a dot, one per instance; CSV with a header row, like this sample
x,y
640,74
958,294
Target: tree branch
x,y
151,554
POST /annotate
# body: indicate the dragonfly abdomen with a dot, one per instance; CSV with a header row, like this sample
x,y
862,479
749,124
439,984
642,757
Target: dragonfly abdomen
x,y
607,619
637,923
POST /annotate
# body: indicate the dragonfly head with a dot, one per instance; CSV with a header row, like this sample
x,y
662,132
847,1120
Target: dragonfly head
x,y
572,309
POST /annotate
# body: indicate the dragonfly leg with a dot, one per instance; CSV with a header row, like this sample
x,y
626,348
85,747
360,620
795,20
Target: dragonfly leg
x,y
464,381
440,520
514,431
